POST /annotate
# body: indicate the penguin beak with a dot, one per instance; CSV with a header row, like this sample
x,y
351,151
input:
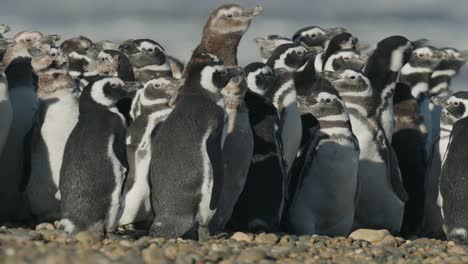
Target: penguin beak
x,y
234,71
252,11
132,86
4,28
464,55
439,101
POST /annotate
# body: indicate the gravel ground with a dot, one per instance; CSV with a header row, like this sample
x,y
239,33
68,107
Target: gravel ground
x,y
47,245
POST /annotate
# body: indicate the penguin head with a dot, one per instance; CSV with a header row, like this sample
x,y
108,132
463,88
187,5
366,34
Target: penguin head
x,y
4,28
96,48
343,40
144,52
290,56
454,106
208,73
22,42
426,57
391,53
157,91
28,39
349,82
114,63
346,59
107,91
49,58
324,103
269,44
453,61
315,36
259,77
235,88
231,19
78,44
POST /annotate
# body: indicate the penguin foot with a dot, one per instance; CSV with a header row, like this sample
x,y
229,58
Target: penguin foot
x,y
203,234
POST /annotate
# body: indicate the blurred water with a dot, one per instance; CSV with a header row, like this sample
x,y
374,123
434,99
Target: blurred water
x,y
177,25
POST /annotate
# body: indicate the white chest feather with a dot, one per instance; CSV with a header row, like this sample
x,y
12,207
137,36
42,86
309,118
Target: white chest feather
x,y
204,211
367,141
119,176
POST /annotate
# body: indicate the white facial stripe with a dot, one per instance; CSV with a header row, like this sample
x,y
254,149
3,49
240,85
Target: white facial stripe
x,y
419,88
148,45
396,60
75,55
281,61
439,88
97,91
281,91
251,80
342,54
317,31
207,77
341,117
438,73
408,69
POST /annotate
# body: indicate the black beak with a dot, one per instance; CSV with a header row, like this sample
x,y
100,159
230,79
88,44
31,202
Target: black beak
x,y
439,101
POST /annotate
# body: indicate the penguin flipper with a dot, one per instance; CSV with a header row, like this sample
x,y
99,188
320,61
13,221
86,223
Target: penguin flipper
x,y
215,153
393,171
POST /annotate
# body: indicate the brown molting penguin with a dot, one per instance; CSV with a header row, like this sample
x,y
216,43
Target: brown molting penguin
x,y
223,32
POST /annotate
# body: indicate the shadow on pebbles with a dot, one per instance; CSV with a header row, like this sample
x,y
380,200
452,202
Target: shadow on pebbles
x,y
48,245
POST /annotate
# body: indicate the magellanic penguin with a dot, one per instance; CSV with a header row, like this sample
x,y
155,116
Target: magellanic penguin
x,y
223,32
382,69
268,44
154,105
341,41
260,205
325,192
316,37
148,59
76,49
454,108
382,195
94,163
186,171
237,151
56,116
23,100
409,142
453,195
287,59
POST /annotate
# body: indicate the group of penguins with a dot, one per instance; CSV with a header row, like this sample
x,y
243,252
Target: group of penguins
x,y
321,137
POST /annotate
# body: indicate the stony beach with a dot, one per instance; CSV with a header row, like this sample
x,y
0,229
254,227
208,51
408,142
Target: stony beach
x,y
45,244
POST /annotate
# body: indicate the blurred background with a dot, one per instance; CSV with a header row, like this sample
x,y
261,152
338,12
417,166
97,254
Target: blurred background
x,y
177,24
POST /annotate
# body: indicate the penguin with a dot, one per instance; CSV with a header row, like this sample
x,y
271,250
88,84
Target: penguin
x,y
6,111
315,36
382,69
20,79
80,43
325,193
268,45
408,140
148,59
382,195
186,169
453,109
260,207
94,164
223,32
237,151
341,41
154,107
452,195
76,49
56,116
416,74
177,66
286,59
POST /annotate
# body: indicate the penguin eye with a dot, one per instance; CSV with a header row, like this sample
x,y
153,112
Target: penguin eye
x,y
456,103
421,55
150,50
229,16
157,85
313,36
352,77
299,53
103,59
114,85
328,100
346,58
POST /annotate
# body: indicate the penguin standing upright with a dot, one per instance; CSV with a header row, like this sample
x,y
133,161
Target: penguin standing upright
x,y
382,69
23,101
382,195
260,207
237,151
186,171
54,120
325,192
223,32
153,108
286,59
94,163
453,185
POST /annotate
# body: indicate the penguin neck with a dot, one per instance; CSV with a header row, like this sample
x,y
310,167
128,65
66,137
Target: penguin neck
x,y
359,107
222,45
233,103
157,110
284,96
412,76
19,73
50,82
335,127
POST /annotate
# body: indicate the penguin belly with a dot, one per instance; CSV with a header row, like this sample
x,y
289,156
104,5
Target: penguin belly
x,y
23,102
59,118
325,202
237,155
291,133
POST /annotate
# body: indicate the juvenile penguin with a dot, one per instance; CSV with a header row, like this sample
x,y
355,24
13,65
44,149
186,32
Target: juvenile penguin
x,y
148,59
23,102
260,207
453,185
186,171
153,108
94,163
56,116
382,196
223,32
453,109
287,59
237,151
325,196
382,69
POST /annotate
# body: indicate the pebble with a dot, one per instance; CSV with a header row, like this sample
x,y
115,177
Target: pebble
x,y
45,226
87,238
251,255
270,239
239,236
370,235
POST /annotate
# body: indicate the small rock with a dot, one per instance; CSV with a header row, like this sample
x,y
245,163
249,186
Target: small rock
x,y
239,236
387,241
458,250
153,254
451,244
251,255
45,226
142,242
369,235
170,252
87,238
269,239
